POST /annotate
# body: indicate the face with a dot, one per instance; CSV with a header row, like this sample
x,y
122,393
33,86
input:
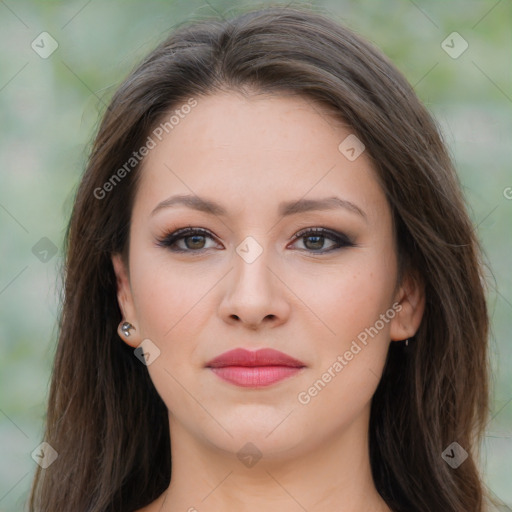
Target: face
x,y
264,267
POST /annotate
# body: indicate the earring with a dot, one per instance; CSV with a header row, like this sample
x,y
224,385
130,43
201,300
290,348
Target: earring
x,y
125,327
408,347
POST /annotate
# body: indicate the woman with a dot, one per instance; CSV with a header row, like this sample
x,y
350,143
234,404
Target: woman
x,y
273,292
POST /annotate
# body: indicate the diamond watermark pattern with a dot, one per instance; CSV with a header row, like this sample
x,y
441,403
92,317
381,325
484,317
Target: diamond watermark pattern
x,y
454,45
147,352
44,45
351,147
44,250
249,250
454,455
249,455
44,455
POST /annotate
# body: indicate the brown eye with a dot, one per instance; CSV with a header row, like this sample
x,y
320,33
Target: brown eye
x,y
186,240
195,241
314,240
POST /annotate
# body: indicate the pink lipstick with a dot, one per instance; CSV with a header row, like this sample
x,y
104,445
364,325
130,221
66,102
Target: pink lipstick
x,y
254,368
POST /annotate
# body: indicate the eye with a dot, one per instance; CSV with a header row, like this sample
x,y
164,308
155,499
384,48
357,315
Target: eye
x,y
194,240
314,238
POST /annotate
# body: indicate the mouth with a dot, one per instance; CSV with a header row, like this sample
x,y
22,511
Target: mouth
x,y
258,368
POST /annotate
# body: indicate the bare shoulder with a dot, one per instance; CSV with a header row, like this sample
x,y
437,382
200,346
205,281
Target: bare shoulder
x,y
152,507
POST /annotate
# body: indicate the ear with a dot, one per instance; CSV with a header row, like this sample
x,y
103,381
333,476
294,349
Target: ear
x,y
411,300
125,301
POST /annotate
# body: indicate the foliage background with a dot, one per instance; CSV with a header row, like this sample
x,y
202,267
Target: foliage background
x,y
49,109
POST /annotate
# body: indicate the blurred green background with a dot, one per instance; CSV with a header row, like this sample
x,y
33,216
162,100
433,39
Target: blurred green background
x,y
49,109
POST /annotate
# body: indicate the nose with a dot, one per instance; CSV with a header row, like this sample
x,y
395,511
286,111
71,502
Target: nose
x,y
255,294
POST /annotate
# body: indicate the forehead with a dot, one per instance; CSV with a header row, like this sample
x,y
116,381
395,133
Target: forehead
x,y
254,149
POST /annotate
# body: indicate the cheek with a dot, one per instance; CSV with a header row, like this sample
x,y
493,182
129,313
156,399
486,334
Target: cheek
x,y
350,298
171,309
353,359
168,303
349,367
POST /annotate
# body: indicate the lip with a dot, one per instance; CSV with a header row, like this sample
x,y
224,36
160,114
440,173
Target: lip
x,y
258,368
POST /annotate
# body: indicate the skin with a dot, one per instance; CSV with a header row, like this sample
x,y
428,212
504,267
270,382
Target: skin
x,y
249,153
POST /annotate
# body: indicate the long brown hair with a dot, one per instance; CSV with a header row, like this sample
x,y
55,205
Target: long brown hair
x,y
105,418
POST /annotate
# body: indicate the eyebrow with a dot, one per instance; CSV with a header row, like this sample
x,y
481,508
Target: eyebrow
x,y
286,208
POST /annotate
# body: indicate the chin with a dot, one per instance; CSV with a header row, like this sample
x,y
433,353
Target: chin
x,y
272,438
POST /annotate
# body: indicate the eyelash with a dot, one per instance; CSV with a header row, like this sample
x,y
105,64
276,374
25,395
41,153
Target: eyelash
x,y
170,239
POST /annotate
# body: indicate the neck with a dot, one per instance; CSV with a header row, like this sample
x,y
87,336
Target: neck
x,y
335,475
